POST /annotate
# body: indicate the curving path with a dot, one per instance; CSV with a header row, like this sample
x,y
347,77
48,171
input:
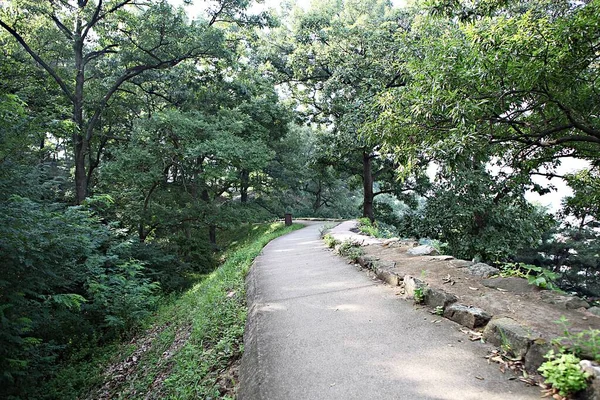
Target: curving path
x,y
320,329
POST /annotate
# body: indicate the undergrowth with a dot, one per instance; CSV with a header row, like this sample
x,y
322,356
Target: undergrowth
x,y
191,343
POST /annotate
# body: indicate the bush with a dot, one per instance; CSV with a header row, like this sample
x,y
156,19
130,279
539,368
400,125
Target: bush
x,y
563,373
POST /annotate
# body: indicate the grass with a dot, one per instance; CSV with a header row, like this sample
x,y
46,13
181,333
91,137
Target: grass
x,y
193,342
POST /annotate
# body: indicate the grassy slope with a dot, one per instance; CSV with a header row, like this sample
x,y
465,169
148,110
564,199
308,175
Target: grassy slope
x,y
193,345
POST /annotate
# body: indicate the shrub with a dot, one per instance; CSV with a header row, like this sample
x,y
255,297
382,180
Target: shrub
x,y
563,373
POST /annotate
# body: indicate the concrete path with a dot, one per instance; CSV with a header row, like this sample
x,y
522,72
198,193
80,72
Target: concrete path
x,y
320,329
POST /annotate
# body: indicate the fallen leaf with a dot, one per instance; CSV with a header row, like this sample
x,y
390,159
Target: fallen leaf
x,y
480,378
473,288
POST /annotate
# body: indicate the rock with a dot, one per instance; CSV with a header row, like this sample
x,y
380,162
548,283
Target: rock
x,y
511,284
441,258
471,317
388,277
423,250
483,270
439,298
411,283
535,355
591,368
460,263
508,334
594,310
564,301
593,390
391,241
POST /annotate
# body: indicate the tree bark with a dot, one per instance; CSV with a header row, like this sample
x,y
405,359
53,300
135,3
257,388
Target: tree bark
x,y
368,187
245,183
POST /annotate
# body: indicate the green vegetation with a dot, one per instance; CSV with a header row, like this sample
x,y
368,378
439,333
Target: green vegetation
x,y
536,276
585,343
419,295
562,371
133,138
330,241
350,250
191,340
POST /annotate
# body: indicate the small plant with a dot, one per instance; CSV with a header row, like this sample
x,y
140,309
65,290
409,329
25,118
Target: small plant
x,y
536,276
330,241
439,310
419,295
350,250
562,371
582,344
325,227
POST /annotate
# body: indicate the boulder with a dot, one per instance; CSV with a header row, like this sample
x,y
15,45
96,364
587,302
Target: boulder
x,y
460,263
510,284
510,335
411,284
483,270
535,355
471,317
439,298
564,301
424,250
594,310
593,390
441,258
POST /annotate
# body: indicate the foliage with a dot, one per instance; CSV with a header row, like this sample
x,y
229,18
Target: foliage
x,y
350,250
585,343
205,324
537,276
562,371
419,295
330,241
376,229
478,215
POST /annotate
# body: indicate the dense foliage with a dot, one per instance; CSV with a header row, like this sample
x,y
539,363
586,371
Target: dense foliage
x,y
132,136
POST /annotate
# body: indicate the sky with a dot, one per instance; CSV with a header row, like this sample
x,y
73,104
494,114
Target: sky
x,y
551,200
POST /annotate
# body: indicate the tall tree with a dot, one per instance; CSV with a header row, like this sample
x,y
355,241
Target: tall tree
x,y
96,47
335,58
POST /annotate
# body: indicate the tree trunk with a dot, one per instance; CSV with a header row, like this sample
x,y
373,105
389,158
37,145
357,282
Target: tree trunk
x,y
212,235
318,196
245,182
368,187
80,146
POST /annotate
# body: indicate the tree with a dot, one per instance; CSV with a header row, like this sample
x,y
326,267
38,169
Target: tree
x,y
98,47
522,76
335,58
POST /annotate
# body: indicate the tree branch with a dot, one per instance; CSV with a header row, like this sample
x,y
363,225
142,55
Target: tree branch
x,y
39,60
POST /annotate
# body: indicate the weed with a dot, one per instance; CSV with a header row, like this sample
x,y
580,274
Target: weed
x,y
330,241
350,250
325,227
582,344
536,276
562,371
419,295
439,310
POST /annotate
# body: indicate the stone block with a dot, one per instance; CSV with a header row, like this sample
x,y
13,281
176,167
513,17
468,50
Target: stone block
x,y
439,298
510,284
411,284
483,270
388,277
594,310
564,301
510,335
423,250
471,317
535,355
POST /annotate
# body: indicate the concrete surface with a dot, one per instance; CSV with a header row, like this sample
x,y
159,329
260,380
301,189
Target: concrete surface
x,y
320,329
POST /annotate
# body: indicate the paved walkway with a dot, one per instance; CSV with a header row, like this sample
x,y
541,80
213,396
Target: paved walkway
x,y
320,329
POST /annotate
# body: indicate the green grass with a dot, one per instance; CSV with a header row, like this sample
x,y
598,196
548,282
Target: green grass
x,y
191,343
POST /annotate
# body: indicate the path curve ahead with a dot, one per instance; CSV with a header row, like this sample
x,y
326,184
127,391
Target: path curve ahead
x,y
320,329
